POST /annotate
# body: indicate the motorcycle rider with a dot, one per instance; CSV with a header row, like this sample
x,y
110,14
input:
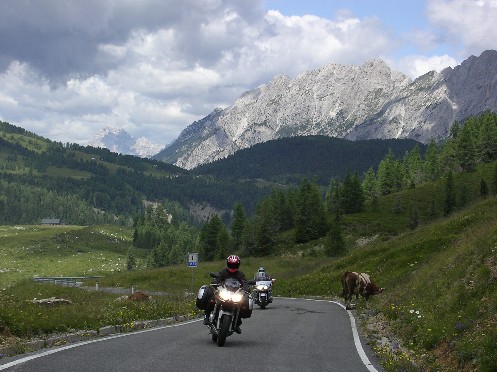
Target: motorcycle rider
x,y
230,271
262,275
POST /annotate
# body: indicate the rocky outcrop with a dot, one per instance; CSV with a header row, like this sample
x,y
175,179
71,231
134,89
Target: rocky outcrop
x,y
353,102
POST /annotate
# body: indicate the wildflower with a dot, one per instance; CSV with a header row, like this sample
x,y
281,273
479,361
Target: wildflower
x,y
411,311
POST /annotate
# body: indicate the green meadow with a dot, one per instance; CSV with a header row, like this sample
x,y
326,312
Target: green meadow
x,y
438,311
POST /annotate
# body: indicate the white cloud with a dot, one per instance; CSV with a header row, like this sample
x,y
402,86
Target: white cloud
x,y
415,66
469,24
152,67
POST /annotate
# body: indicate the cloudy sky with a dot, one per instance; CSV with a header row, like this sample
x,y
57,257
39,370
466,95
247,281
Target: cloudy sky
x,y
152,67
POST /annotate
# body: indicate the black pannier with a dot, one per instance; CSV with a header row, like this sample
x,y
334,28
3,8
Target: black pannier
x,y
203,297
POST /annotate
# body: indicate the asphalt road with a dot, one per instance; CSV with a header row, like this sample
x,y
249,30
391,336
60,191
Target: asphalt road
x,y
289,335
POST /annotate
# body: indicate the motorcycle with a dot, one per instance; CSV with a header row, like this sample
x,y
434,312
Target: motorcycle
x,y
229,297
263,293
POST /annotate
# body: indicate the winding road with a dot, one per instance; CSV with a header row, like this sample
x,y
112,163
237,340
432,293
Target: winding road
x,y
289,335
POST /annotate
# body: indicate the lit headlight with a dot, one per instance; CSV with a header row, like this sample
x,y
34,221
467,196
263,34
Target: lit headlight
x,y
261,287
237,297
225,295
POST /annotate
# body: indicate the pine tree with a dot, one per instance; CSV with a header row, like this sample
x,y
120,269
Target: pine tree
x,y
310,221
334,202
238,225
487,137
431,168
390,175
370,184
209,237
465,147
131,259
412,165
265,227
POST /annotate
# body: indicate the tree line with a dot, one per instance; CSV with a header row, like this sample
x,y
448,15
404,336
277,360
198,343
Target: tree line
x,y
311,212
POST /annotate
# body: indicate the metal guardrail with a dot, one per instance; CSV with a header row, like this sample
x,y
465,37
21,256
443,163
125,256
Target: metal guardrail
x,y
68,281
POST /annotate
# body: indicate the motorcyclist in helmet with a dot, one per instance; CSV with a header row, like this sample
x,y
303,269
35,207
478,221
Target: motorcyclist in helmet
x,y
230,271
261,274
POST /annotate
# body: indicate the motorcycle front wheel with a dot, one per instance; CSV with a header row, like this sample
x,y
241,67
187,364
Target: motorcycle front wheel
x,y
223,329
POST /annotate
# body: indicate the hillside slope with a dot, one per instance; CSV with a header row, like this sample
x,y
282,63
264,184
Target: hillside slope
x,y
320,158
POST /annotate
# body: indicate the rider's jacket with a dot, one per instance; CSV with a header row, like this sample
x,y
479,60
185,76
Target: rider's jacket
x,y
238,275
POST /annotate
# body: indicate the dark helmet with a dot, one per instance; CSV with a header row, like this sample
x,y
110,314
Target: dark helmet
x,y
233,263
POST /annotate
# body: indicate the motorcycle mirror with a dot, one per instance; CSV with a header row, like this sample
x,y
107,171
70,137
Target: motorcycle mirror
x,y
214,275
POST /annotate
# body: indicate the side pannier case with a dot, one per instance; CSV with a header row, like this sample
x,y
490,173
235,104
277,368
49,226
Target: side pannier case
x,y
204,295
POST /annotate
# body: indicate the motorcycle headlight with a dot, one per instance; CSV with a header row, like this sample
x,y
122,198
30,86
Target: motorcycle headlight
x,y
237,297
261,287
225,295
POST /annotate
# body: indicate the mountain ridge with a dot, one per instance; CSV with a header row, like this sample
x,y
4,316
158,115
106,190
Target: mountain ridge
x,y
119,141
352,102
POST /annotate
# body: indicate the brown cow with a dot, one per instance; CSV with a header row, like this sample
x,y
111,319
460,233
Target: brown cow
x,y
358,284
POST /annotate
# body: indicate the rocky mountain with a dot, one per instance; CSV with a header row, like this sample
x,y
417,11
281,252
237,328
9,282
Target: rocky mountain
x,y
351,102
119,141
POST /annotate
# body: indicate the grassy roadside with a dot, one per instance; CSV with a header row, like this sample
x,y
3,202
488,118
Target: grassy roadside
x,y
438,311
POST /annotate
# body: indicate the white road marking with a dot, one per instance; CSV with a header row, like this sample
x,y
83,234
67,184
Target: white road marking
x,y
355,333
53,351
357,340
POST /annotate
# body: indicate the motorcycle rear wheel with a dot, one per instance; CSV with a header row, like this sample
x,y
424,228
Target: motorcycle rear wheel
x,y
223,330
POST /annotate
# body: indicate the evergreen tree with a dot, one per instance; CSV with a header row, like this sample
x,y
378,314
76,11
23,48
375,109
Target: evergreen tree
x,y
487,137
448,159
370,184
334,202
249,239
412,165
358,194
431,168
352,194
348,194
223,243
283,210
390,175
266,224
209,237
131,259
237,226
310,221
465,147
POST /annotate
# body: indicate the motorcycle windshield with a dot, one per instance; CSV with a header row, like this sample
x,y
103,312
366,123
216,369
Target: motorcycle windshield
x,y
232,284
267,283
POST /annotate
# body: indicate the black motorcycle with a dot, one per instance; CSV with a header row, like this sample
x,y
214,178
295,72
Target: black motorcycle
x,y
230,301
